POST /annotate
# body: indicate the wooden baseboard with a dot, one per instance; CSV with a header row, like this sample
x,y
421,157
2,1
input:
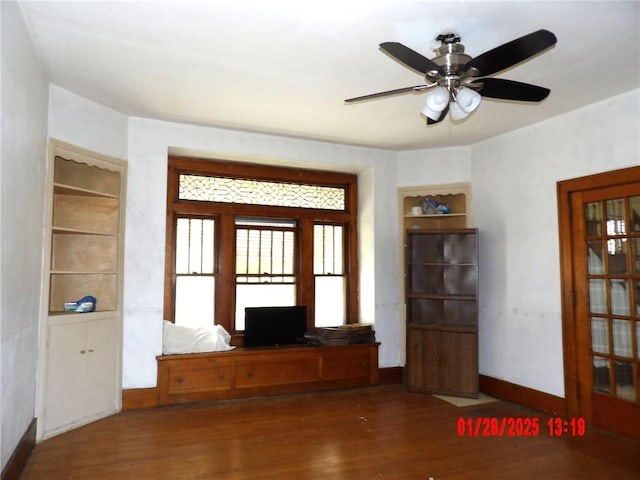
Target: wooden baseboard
x,y
527,397
390,375
135,398
18,460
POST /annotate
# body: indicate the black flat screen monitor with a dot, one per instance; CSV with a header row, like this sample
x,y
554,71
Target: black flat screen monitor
x,y
274,326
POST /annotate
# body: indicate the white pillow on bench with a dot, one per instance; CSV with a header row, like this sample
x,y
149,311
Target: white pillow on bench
x,y
181,339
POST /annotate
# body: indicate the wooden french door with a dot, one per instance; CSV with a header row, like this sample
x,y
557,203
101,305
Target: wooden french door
x,y
600,258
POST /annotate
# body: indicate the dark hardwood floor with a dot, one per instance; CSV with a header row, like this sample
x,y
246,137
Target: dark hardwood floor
x,y
368,433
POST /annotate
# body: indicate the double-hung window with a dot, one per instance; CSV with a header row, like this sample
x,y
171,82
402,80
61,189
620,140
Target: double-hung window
x,y
244,235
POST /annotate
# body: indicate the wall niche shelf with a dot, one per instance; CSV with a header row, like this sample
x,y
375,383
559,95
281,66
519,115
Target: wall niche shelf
x,y
455,196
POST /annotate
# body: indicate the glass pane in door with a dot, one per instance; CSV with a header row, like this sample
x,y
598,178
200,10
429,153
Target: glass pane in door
x,y
593,217
634,216
635,255
601,375
599,335
615,217
621,337
624,381
619,292
595,257
617,256
597,298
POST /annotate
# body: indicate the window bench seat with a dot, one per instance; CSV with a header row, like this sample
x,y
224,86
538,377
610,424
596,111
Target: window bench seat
x,y
264,371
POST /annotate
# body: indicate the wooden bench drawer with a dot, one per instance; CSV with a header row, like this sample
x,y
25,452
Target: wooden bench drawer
x,y
251,375
200,376
340,365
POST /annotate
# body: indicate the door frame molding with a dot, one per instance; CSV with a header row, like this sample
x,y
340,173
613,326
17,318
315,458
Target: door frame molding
x,y
565,189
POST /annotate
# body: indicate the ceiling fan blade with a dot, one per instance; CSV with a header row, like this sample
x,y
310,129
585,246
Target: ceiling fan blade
x,y
410,58
510,90
442,116
415,88
511,53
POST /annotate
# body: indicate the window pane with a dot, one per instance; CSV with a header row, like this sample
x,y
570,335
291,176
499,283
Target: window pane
x,y
264,252
262,295
330,301
194,246
327,249
194,300
260,192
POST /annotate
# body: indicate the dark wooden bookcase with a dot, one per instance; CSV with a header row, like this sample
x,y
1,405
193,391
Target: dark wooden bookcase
x,y
442,311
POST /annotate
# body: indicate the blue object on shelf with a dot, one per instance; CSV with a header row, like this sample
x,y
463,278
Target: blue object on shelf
x,y
85,304
430,206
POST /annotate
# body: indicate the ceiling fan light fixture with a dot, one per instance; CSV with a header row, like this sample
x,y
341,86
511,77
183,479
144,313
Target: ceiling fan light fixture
x,y
432,114
437,99
436,102
467,99
456,112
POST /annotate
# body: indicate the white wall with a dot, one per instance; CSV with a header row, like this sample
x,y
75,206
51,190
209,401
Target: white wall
x,y
515,207
149,144
83,123
23,150
439,166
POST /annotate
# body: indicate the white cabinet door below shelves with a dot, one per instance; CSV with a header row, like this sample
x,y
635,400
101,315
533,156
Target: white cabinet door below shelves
x,y
82,378
102,383
66,371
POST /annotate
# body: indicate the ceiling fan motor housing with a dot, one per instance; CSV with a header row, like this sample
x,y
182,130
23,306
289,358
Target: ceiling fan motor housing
x,y
452,59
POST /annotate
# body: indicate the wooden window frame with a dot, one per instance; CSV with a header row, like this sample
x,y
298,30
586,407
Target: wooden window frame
x,y
225,214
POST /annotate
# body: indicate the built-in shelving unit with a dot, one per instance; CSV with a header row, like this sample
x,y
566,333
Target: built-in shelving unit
x,y
455,196
84,229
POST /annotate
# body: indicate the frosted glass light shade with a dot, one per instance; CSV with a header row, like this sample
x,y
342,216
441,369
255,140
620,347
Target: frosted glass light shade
x,y
456,112
467,99
436,102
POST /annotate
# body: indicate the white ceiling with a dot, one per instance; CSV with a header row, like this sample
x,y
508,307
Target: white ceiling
x,y
285,67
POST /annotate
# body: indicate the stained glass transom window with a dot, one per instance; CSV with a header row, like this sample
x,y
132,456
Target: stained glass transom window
x,y
259,192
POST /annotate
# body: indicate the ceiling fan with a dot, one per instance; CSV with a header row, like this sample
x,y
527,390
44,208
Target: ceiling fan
x,y
457,81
